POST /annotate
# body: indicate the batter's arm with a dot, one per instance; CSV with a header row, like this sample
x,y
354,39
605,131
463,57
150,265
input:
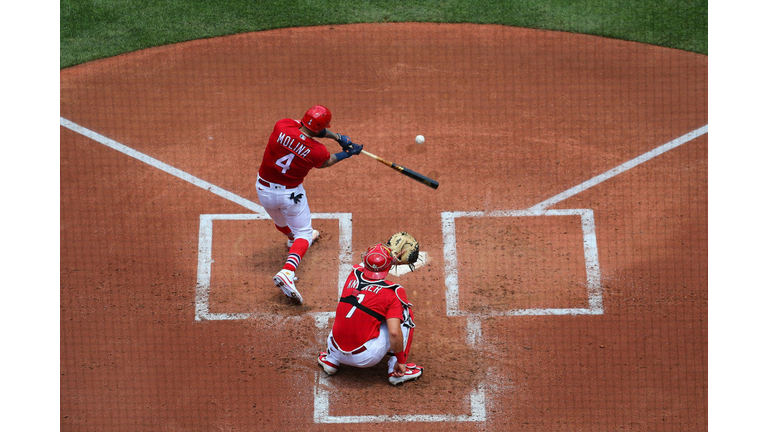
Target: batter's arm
x,y
343,140
326,133
330,162
352,150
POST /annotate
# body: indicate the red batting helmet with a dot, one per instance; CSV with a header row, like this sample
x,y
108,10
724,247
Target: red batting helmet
x,y
377,262
317,118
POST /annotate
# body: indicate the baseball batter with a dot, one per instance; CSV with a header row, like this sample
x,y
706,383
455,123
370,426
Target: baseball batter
x,y
373,318
291,153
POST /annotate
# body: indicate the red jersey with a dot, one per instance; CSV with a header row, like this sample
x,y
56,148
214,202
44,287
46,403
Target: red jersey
x,y
290,154
353,327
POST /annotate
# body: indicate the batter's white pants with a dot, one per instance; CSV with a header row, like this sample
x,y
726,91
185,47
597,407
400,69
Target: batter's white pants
x,y
285,211
375,350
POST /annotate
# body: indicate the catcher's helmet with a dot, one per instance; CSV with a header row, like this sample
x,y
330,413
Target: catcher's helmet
x,y
377,262
317,118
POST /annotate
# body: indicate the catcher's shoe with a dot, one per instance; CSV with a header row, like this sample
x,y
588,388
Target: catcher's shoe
x,y
328,367
284,280
315,235
413,371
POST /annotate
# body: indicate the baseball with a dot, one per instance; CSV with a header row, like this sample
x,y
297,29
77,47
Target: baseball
x,y
419,139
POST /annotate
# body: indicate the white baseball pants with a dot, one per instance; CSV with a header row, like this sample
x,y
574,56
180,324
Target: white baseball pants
x,y
375,350
287,207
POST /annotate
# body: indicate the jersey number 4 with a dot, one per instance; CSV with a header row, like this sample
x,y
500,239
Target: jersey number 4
x,y
285,162
360,298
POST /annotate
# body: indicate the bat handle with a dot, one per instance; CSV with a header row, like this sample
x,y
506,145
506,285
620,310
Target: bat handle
x,y
376,157
369,154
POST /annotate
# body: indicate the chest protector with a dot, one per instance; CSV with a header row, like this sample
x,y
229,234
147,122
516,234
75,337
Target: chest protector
x,y
362,283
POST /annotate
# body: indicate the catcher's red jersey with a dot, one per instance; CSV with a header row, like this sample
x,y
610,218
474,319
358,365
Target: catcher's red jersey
x,y
290,155
354,327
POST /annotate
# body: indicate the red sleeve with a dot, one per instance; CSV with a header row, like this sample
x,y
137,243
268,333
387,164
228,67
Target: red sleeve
x,y
395,309
324,155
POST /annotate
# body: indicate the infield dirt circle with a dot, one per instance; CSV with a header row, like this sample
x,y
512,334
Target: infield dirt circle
x,y
565,286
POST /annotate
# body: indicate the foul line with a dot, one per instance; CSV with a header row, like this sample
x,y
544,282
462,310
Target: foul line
x,y
74,127
621,168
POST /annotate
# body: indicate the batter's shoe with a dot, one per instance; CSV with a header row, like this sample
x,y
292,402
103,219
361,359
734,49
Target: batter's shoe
x,y
315,235
284,280
328,367
411,373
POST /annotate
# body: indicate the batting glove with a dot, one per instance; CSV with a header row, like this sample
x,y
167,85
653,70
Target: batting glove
x,y
344,141
353,149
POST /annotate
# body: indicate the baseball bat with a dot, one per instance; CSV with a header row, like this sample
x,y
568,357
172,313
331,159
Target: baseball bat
x,y
405,171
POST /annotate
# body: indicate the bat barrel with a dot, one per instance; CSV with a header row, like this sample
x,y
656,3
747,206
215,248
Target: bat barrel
x,y
418,177
403,170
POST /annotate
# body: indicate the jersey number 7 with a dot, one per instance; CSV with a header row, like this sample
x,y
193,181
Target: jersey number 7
x,y
360,298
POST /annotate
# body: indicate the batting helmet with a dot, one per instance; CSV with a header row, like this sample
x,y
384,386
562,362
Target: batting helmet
x,y
317,118
377,262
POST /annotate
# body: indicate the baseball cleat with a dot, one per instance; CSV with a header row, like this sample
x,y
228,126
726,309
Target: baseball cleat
x,y
284,280
315,235
412,373
328,367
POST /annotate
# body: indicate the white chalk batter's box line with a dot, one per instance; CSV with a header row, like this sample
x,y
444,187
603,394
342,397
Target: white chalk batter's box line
x,y
594,289
205,259
322,409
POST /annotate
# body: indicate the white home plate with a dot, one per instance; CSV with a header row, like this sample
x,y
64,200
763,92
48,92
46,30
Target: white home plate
x,y
400,270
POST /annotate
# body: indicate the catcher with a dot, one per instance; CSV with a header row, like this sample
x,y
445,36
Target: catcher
x,y
374,317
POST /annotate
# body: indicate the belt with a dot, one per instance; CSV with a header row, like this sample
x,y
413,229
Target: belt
x,y
357,351
271,185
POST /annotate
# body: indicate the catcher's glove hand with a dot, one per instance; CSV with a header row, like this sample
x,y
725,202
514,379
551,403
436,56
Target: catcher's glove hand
x,y
405,248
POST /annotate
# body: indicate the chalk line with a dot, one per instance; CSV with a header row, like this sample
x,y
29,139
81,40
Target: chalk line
x,y
74,127
474,330
205,261
621,168
322,409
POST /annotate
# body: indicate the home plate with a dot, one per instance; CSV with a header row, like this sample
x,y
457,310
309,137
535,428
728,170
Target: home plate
x,y
402,269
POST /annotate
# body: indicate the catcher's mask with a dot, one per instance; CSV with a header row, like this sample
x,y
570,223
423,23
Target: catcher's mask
x,y
377,262
317,118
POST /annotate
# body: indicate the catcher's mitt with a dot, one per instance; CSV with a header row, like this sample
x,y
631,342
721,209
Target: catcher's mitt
x,y
405,248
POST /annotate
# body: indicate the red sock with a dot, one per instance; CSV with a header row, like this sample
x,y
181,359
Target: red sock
x,y
285,230
296,253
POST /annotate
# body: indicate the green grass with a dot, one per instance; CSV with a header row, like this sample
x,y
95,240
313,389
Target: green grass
x,y
93,29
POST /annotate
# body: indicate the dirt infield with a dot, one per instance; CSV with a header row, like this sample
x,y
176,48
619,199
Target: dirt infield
x,y
565,286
